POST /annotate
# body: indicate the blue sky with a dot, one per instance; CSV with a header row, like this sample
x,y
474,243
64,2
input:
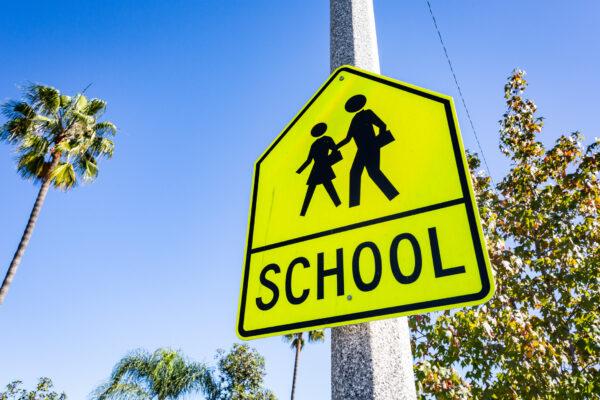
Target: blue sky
x,y
150,254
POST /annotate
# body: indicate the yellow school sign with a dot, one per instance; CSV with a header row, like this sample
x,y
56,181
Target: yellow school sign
x,y
362,209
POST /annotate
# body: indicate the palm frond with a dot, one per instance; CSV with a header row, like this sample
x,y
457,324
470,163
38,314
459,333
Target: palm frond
x,y
79,117
65,101
63,176
23,119
66,146
289,337
33,142
105,127
179,377
87,167
81,102
102,147
17,109
130,376
44,99
49,127
294,339
316,336
164,374
121,391
32,165
135,366
15,129
94,107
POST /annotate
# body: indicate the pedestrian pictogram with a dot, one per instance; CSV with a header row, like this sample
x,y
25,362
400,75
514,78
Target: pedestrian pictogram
x,y
323,153
362,209
367,148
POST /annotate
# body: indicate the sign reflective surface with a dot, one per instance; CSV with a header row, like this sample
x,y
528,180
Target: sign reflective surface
x,y
362,209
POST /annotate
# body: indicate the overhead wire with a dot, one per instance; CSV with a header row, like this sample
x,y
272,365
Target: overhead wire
x,y
460,92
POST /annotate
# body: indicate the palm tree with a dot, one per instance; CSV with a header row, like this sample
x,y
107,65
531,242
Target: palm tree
x,y
162,375
58,140
296,341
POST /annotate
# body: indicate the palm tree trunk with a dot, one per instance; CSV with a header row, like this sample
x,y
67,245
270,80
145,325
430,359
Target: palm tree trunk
x,y
39,201
298,348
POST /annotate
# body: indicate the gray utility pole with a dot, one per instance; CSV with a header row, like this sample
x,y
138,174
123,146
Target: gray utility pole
x,y
370,361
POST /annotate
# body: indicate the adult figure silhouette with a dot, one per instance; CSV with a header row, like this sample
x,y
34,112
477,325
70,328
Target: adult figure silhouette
x,y
323,153
368,148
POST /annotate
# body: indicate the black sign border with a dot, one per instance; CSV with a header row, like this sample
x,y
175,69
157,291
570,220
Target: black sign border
x,y
469,205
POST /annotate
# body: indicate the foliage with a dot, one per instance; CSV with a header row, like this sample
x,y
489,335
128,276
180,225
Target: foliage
x,y
43,391
240,375
163,375
57,137
168,375
539,336
298,338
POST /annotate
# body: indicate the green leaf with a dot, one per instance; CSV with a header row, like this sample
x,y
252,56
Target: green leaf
x,y
63,176
31,165
81,102
104,128
102,147
537,338
94,107
44,99
86,165
34,143
65,101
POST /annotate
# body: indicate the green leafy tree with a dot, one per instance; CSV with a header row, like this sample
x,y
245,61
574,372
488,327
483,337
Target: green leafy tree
x,y
43,391
296,341
162,375
539,336
239,376
58,140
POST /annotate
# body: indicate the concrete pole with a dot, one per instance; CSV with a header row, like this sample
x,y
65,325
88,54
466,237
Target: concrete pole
x,y
371,361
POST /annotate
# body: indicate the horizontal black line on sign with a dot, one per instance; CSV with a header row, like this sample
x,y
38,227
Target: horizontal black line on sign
x,y
391,217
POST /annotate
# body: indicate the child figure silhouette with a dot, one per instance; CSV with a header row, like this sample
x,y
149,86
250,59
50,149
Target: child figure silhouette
x,y
323,153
